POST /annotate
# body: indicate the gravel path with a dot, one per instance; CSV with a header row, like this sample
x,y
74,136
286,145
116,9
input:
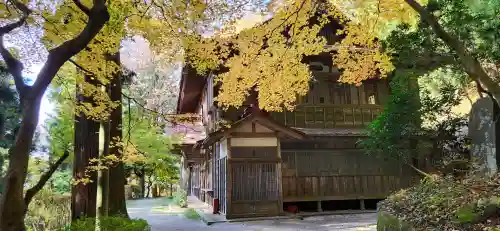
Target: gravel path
x,y
164,221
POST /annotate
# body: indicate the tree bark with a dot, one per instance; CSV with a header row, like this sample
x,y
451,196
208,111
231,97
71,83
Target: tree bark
x,y
148,188
117,205
469,62
13,208
171,189
103,174
83,196
142,183
12,204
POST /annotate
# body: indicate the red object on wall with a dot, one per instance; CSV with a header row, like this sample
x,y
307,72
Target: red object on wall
x,y
215,206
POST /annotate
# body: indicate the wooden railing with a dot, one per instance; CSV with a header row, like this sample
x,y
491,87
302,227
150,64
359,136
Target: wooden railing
x,y
329,115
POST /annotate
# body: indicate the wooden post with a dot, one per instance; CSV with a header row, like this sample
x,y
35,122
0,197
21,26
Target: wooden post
x,y
362,204
280,178
320,209
229,181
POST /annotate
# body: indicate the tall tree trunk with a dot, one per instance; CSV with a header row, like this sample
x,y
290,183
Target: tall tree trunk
x,y
2,126
171,189
142,183
12,206
117,205
83,196
103,174
148,188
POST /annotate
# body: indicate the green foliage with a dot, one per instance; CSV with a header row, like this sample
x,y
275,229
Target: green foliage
x,y
60,182
191,214
149,148
109,224
390,134
447,203
48,211
411,113
180,198
386,221
440,91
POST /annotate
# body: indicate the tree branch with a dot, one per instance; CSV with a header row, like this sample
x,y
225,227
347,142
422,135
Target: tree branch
x,y
98,16
82,7
81,67
30,193
14,66
470,63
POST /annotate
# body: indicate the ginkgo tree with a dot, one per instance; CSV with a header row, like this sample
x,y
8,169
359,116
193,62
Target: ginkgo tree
x,y
268,57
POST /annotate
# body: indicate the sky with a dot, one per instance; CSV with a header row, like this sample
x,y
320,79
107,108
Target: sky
x,y
46,108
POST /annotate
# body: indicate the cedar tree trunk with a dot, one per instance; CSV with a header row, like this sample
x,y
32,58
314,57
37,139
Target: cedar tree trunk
x,y
83,196
117,206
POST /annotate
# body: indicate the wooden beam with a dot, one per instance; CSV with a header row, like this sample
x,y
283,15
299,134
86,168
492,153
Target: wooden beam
x,y
252,135
333,198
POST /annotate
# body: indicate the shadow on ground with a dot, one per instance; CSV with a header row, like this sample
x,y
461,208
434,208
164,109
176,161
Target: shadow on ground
x,y
163,215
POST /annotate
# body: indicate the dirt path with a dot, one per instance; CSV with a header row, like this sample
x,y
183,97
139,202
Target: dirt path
x,y
161,217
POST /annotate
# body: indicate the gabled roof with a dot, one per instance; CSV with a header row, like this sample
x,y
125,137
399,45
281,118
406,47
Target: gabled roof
x,y
259,118
190,90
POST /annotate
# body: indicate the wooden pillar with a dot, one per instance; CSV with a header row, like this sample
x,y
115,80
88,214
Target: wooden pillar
x,y
362,204
320,209
229,181
280,178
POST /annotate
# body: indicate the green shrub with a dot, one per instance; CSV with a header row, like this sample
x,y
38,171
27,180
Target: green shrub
x,y
60,182
132,191
109,224
191,214
180,198
48,211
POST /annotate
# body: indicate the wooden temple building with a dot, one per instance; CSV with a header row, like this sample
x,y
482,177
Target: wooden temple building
x,y
266,162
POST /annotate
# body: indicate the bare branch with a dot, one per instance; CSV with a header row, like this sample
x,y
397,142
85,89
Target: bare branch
x,y
14,66
82,7
81,67
98,16
30,193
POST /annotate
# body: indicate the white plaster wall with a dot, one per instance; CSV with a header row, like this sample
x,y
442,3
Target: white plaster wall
x,y
254,142
223,148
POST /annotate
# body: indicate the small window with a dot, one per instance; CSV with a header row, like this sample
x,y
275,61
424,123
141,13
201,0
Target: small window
x,y
371,99
321,99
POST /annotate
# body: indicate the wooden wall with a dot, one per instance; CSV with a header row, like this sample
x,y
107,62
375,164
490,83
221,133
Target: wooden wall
x,y
326,90
220,174
255,189
344,173
253,172
330,104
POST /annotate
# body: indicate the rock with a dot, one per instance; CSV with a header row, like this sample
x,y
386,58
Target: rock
x,y
484,134
388,222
